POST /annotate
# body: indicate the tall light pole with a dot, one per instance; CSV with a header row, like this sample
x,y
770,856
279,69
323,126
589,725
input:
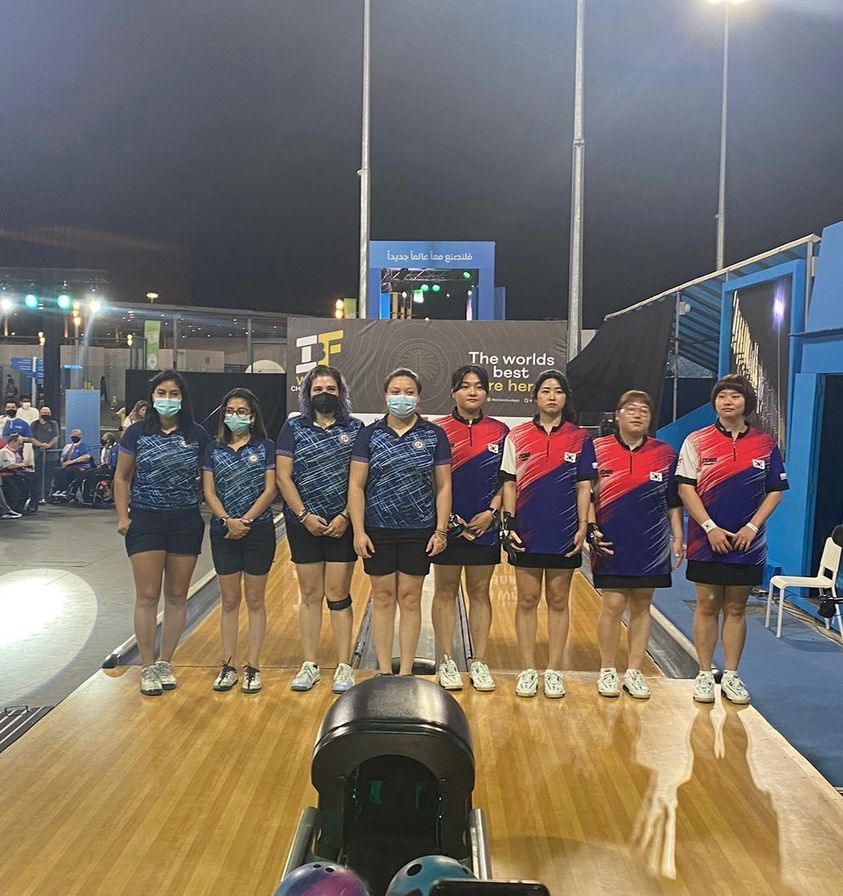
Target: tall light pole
x,y
720,260
577,189
363,289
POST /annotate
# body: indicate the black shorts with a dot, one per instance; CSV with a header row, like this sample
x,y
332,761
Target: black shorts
x,y
252,554
612,583
173,531
398,550
307,548
547,561
714,573
461,552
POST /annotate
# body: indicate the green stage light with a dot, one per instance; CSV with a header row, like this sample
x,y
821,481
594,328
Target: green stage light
x,y
30,300
436,287
63,301
466,275
425,287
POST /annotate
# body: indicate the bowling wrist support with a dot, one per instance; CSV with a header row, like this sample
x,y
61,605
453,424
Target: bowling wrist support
x,y
709,526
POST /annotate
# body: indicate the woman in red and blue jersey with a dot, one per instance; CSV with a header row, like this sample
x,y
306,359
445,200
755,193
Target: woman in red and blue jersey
x,y
638,536
730,477
476,448
547,470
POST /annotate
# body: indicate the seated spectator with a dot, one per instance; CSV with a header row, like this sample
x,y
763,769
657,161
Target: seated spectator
x,y
137,413
93,490
18,475
11,423
75,459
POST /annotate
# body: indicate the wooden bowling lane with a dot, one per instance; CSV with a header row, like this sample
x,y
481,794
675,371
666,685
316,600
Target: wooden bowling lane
x,y
197,794
581,652
282,647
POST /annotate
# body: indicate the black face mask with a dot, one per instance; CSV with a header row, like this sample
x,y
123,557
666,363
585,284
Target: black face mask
x,y
11,412
325,403
46,418
75,439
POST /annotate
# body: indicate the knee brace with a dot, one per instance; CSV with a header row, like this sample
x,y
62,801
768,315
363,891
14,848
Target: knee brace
x,y
336,605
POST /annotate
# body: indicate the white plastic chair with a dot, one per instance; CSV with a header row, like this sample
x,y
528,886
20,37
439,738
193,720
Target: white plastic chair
x,y
826,577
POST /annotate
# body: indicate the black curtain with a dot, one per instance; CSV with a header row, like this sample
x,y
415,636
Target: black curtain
x,y
629,352
207,390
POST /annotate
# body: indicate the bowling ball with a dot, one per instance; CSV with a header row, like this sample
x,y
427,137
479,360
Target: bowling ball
x,y
322,879
417,877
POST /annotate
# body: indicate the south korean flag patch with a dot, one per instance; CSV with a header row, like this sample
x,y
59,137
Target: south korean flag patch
x,y
570,457
655,477
760,464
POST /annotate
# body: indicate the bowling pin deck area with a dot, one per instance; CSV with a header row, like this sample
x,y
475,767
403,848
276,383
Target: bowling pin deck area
x,y
196,793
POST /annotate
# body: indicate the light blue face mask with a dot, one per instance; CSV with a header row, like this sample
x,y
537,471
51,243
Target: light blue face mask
x,y
167,407
401,405
238,425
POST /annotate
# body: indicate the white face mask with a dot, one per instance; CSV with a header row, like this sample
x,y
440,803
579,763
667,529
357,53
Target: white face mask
x,y
26,404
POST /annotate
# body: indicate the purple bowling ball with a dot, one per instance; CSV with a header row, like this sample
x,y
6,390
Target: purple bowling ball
x,y
322,879
417,878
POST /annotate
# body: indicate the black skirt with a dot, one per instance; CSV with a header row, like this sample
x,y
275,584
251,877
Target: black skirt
x,y
713,573
610,583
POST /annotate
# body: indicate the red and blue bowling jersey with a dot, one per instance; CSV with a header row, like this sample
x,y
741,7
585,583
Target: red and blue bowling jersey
x,y
476,452
546,467
732,477
635,488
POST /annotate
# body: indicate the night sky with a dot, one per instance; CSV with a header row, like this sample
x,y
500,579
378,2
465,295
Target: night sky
x,y
233,126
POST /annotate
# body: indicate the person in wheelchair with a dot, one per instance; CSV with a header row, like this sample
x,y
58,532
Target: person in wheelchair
x,y
95,484
75,460
18,476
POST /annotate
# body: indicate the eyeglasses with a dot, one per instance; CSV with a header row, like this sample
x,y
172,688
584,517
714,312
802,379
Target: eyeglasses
x,y
242,413
635,409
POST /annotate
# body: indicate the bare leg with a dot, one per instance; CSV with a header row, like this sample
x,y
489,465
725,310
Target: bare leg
x,y
384,597
638,635
311,591
477,581
229,616
178,570
443,610
409,600
529,586
609,626
557,587
337,586
709,604
734,624
148,572
255,588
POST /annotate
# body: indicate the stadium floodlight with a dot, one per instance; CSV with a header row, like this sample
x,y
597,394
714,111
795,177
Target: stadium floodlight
x,y
30,300
5,304
95,306
63,301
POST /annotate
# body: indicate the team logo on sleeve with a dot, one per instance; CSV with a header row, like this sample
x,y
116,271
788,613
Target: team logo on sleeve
x,y
344,438
760,464
494,447
570,457
655,476
782,476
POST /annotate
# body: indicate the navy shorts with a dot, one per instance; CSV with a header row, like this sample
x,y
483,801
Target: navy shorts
x,y
173,531
252,554
526,560
307,548
398,550
461,552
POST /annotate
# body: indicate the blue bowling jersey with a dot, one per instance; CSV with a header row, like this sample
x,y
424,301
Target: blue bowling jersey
x,y
240,476
166,467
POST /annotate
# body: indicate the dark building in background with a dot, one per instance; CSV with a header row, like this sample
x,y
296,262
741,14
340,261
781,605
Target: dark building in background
x,y
133,266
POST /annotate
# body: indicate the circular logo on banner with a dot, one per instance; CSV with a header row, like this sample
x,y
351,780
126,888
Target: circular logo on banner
x,y
418,444
345,438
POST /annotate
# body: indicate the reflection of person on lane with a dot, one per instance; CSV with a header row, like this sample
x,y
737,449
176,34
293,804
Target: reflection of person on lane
x,y
547,471
399,498
476,447
730,477
638,539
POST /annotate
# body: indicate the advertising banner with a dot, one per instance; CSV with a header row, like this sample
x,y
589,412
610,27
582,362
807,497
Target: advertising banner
x,y
152,338
513,352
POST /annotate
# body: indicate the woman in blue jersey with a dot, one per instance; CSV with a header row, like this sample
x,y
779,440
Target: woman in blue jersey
x,y
239,481
476,447
637,539
156,494
730,477
547,470
313,457
399,497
